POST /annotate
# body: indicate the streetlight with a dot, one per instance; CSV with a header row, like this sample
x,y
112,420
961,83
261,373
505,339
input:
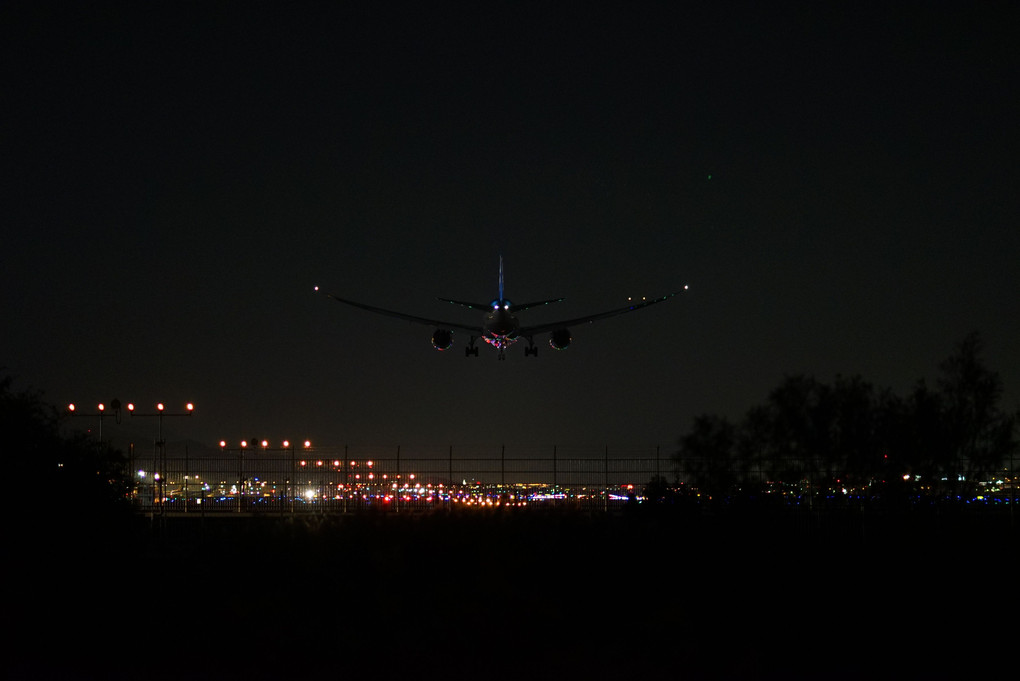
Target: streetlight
x,y
160,445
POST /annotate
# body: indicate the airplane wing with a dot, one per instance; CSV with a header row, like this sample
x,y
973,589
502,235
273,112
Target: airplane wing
x,y
528,306
400,315
487,307
481,307
552,326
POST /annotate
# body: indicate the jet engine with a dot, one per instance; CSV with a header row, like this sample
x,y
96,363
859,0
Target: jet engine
x,y
560,339
442,339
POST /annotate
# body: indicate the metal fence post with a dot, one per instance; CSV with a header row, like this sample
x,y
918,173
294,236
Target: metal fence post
x,y
606,471
554,469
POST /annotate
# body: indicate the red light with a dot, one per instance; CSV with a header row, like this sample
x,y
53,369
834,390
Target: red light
x,y
160,406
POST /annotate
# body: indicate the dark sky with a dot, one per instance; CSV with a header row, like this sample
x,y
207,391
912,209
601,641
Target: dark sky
x,y
837,185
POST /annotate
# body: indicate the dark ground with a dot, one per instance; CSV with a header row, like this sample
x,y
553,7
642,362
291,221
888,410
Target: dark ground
x,y
530,595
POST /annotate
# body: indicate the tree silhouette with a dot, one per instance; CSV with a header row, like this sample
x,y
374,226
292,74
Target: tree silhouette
x,y
71,477
979,435
706,455
846,434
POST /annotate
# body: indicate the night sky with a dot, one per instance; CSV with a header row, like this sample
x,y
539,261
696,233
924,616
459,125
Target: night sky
x,y
838,187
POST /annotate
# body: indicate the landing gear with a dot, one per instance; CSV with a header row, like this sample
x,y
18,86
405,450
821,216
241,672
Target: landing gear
x,y
471,350
532,349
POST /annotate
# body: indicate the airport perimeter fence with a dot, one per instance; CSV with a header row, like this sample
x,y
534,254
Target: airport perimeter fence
x,y
345,480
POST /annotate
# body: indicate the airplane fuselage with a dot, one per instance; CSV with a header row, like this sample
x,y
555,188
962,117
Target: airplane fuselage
x,y
500,327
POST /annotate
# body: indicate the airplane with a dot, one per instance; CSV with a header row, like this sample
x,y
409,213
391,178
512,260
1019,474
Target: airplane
x,y
500,327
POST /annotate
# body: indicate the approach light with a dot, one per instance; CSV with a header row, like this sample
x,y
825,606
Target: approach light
x,y
131,406
223,444
189,406
101,407
70,407
286,443
307,444
244,443
265,443
160,406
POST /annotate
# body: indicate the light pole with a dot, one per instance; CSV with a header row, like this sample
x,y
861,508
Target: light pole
x,y
159,453
258,464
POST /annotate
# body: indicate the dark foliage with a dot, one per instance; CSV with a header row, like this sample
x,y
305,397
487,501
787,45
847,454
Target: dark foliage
x,y
848,434
69,480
